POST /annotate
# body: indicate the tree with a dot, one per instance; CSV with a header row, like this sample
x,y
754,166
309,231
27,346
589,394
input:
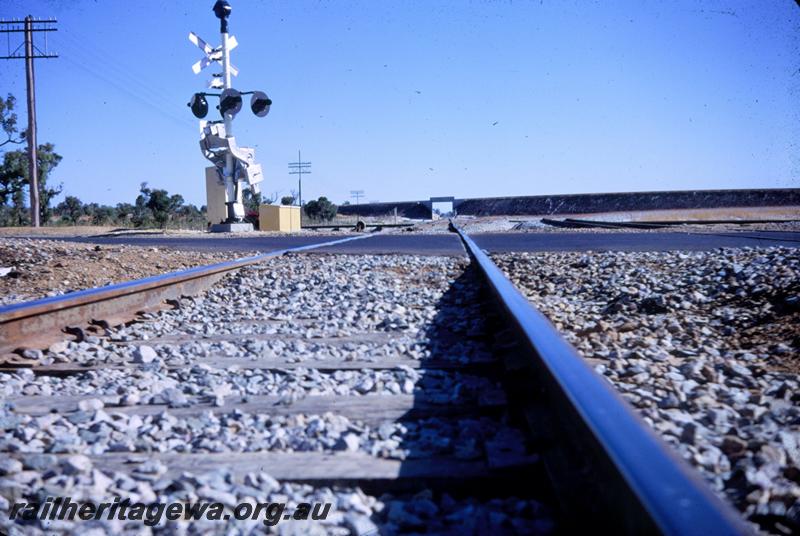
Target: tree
x,y
48,160
321,209
269,199
191,216
71,209
251,201
17,213
287,200
327,210
11,181
14,171
103,214
311,209
141,215
14,178
8,120
123,213
159,203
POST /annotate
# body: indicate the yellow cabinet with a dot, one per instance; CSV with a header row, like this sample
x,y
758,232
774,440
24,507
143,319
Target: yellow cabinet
x,y
285,219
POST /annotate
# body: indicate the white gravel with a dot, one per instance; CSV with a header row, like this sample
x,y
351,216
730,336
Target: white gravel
x,y
352,511
201,383
96,430
293,309
704,344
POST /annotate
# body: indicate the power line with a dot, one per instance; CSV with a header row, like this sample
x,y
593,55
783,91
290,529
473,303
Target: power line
x,y
83,49
299,168
124,73
125,82
183,122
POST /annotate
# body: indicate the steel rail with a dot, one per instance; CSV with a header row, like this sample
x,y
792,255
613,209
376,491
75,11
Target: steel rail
x,y
608,468
38,323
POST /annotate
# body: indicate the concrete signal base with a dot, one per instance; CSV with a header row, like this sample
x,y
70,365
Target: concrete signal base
x,y
231,228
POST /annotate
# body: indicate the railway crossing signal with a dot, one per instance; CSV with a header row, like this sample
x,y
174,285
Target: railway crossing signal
x,y
233,165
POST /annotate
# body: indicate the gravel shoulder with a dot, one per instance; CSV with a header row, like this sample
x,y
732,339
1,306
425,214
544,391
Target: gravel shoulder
x,y
34,269
704,344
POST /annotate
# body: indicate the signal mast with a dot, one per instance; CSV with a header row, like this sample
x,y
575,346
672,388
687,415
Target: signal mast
x,y
233,167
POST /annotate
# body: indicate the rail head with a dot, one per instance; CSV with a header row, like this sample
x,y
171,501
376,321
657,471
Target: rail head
x,y
669,493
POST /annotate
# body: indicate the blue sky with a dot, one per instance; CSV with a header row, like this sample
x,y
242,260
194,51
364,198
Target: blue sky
x,y
412,99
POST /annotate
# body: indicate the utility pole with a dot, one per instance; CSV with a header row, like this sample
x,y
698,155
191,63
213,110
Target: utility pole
x,y
357,194
299,168
29,26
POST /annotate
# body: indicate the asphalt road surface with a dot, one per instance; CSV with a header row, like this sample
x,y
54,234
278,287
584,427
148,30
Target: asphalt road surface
x,y
449,244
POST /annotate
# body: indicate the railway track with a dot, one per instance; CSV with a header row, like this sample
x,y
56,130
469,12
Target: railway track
x,y
412,393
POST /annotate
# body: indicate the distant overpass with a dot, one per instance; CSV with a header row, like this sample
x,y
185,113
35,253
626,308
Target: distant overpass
x,y
585,203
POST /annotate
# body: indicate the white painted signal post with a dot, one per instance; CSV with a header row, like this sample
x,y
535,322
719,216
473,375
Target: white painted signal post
x,y
234,167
